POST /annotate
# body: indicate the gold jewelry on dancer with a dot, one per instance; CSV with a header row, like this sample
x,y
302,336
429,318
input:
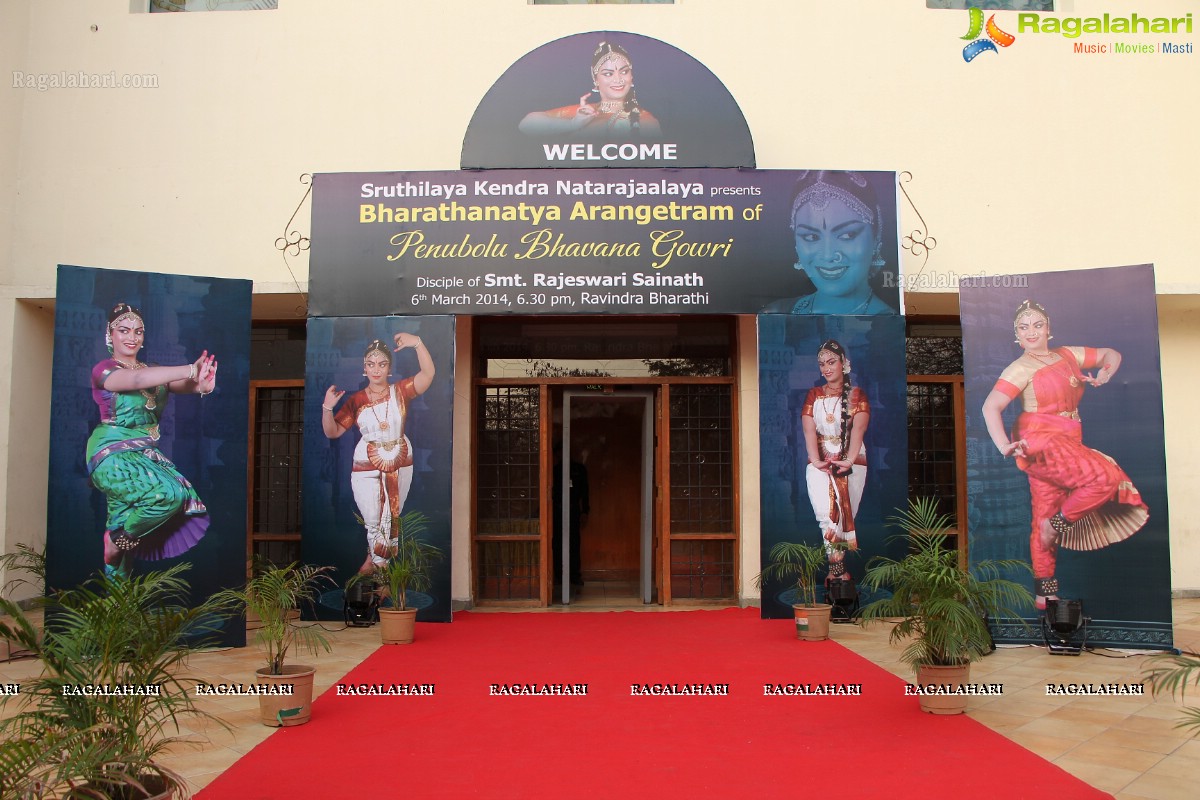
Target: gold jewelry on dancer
x,y
1029,309
151,397
820,193
1072,381
384,423
1044,587
830,407
123,541
128,315
380,457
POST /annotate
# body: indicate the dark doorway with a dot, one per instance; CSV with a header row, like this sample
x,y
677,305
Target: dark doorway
x,y
609,437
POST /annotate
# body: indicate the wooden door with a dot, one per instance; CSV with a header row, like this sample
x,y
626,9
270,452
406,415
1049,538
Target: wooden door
x,y
606,437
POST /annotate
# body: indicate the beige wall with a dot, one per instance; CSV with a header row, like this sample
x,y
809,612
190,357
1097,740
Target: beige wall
x,y
1030,159
1179,332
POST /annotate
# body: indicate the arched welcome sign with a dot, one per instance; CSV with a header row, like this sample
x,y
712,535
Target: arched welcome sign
x,y
547,110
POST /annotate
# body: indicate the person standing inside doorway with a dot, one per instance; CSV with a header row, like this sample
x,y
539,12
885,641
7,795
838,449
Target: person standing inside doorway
x,y
578,508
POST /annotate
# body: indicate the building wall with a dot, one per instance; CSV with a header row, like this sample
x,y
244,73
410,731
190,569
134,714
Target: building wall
x,y
1033,158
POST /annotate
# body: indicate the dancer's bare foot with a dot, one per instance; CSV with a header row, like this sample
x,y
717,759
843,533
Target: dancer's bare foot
x,y
1040,602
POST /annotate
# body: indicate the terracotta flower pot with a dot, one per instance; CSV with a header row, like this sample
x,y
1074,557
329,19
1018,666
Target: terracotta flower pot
x,y
156,788
397,627
812,622
281,710
950,677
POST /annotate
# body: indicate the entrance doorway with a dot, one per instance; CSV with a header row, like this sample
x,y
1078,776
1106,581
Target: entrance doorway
x,y
647,408
606,520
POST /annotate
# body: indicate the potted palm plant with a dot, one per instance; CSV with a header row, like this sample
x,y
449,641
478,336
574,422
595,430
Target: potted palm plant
x,y
942,608
1169,673
274,594
110,695
800,562
23,559
408,567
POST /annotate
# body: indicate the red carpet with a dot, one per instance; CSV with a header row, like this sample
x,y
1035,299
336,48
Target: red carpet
x,y
461,742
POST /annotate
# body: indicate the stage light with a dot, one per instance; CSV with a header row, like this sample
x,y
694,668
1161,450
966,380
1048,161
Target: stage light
x,y
361,605
843,596
1062,624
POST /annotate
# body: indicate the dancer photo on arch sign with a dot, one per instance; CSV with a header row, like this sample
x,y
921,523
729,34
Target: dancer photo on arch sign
x,y
613,114
606,99
1066,446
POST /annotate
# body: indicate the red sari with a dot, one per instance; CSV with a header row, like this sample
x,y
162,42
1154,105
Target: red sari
x,y
1087,486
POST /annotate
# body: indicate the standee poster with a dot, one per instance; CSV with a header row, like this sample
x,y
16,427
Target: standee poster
x,y
799,359
1065,455
147,478
379,402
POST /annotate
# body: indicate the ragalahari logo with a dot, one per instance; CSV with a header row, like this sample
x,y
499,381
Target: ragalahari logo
x,y
980,43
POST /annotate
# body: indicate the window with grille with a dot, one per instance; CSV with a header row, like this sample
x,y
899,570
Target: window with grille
x,y
508,499
277,419
936,425
701,492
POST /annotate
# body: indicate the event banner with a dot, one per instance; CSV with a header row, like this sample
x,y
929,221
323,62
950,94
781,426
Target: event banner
x,y
143,479
693,241
1065,454
803,386
378,423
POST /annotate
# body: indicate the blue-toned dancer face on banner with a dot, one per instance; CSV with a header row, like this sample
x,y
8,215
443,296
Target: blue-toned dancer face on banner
x,y
838,226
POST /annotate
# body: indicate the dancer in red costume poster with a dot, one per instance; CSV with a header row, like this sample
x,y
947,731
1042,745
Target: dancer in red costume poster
x,y
1081,498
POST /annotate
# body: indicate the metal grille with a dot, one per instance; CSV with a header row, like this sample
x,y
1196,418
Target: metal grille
x,y
278,553
702,569
508,500
701,459
508,570
940,354
507,477
932,468
278,447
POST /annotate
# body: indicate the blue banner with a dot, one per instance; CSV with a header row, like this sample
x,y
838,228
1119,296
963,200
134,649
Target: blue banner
x,y
161,472
391,446
1065,455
